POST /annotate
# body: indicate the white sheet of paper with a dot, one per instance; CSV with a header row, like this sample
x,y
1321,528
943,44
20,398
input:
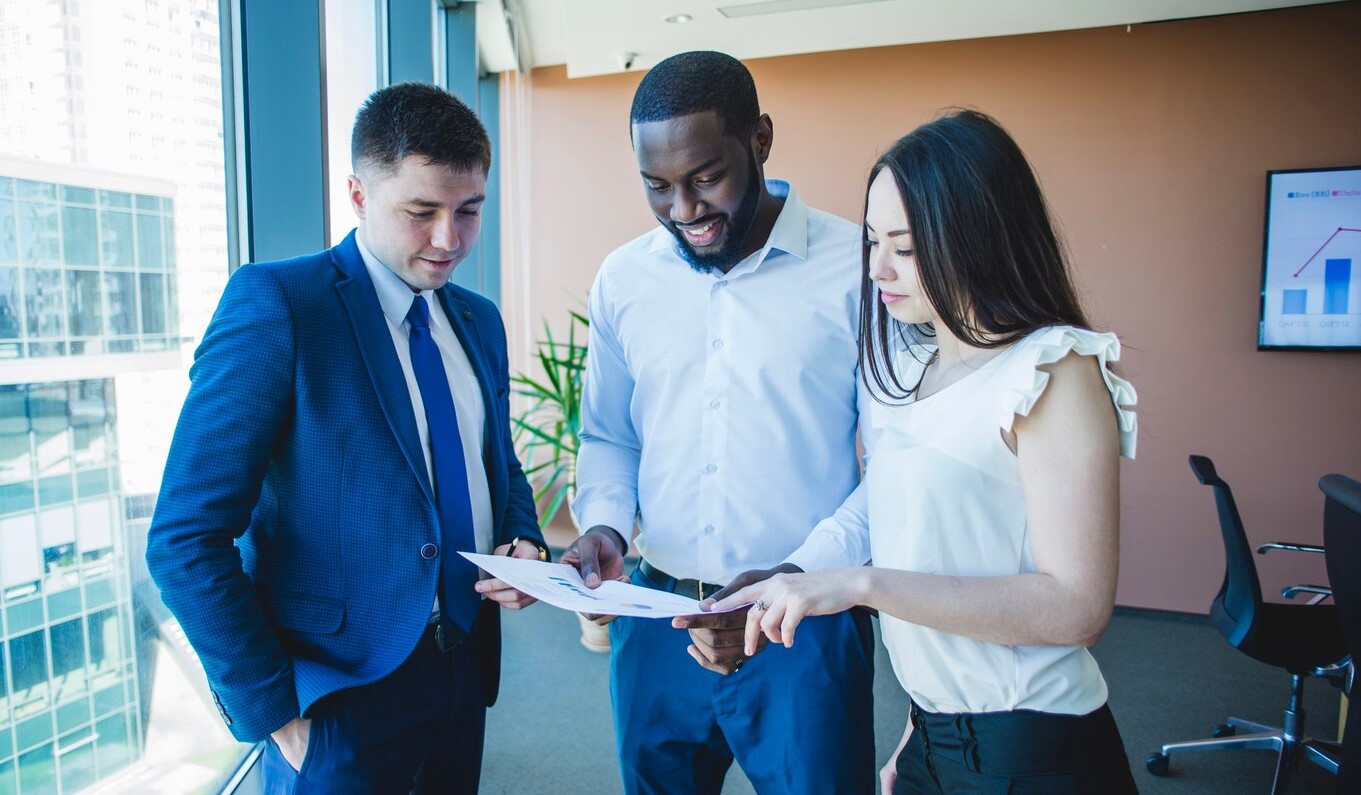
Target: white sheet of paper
x,y
560,585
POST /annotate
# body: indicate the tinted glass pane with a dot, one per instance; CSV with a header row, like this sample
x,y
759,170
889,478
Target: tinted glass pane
x,y
153,302
113,747
10,290
120,295
16,458
116,241
4,707
78,765
93,483
39,233
9,230
23,616
74,711
38,772
172,296
76,195
149,203
80,238
28,657
110,198
28,189
83,304
34,731
55,490
150,248
169,230
45,302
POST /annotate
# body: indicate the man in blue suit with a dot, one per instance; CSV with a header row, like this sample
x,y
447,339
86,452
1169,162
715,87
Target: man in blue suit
x,y
345,436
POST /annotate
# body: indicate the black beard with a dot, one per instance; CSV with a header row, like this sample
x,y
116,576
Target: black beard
x,y
738,227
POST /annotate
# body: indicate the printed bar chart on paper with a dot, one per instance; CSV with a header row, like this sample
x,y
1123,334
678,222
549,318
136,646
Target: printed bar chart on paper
x,y
1310,292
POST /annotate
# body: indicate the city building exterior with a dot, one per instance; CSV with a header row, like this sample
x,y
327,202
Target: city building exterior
x,y
87,293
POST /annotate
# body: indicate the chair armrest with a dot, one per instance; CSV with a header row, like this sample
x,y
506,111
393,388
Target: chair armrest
x,y
1263,549
1320,592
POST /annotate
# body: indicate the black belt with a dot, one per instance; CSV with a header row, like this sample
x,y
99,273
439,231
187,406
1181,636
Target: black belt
x,y
694,589
442,636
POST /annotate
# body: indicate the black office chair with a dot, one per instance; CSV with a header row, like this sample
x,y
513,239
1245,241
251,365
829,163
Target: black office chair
x,y
1342,537
1305,640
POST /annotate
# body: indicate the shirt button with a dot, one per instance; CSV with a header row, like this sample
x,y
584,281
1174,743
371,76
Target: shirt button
x,y
715,403
429,551
711,469
718,344
708,529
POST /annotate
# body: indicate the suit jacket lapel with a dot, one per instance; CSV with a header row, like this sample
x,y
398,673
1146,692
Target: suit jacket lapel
x,y
375,346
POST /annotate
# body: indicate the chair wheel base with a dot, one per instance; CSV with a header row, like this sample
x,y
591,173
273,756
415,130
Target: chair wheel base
x,y
1224,730
1157,764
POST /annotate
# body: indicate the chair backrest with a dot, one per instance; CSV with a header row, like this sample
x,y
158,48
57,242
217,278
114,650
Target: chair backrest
x,y
1241,592
1342,542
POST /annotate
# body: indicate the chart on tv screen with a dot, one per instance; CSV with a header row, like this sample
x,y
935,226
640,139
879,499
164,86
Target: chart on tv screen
x,y
1312,284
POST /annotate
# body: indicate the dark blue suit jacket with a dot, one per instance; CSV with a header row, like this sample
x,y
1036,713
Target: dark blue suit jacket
x,y
295,501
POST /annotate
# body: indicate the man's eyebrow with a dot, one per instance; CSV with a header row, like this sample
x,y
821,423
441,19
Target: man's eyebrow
x,y
705,166
436,205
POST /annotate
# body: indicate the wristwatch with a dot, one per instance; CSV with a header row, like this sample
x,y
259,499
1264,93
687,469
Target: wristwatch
x,y
543,550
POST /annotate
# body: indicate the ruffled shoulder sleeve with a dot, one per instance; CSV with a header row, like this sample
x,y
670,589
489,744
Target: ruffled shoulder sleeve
x,y
1025,382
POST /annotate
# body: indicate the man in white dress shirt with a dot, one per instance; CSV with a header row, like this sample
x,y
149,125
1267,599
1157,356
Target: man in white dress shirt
x,y
720,412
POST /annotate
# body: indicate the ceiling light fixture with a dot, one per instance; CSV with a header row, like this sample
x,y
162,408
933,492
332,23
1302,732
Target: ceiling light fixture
x,y
784,6
678,19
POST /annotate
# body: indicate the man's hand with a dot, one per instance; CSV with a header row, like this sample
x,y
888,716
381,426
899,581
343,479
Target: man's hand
x,y
598,555
716,639
498,591
292,739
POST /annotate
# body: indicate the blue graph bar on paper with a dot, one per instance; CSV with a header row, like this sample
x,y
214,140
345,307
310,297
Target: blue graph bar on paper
x,y
1337,277
1293,302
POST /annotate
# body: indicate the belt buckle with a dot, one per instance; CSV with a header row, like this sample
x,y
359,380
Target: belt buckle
x,y
441,638
702,584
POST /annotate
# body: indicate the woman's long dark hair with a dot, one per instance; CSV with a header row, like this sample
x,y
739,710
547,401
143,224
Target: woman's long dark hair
x,y
987,254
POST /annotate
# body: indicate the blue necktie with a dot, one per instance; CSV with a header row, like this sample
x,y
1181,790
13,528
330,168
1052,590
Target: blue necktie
x,y
449,471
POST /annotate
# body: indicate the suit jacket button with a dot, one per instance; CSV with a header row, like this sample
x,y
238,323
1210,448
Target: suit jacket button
x,y
429,551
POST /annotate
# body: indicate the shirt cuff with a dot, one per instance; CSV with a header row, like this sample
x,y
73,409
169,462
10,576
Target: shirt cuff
x,y
610,514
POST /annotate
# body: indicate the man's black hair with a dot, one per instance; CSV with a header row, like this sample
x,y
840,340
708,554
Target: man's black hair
x,y
693,82
418,119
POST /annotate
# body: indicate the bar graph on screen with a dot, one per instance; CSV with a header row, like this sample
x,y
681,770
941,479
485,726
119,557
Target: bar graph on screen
x,y
1310,298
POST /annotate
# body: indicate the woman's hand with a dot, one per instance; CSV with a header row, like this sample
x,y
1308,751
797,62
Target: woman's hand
x,y
781,602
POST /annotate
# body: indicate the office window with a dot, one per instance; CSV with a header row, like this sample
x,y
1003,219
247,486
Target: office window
x,y
115,235
112,258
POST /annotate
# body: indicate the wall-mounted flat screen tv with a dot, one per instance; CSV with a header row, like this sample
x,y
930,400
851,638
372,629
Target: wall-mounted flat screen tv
x,y
1311,261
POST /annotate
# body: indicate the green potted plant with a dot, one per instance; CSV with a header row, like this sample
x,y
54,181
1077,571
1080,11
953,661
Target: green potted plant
x,y
546,431
547,428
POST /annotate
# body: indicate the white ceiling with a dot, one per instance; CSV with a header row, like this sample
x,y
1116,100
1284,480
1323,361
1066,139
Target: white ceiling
x,y
592,37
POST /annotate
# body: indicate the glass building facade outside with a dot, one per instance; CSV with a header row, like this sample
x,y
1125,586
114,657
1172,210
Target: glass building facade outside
x,y
86,273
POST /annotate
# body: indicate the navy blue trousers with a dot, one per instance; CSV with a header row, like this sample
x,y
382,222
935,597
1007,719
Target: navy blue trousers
x,y
1008,753
797,720
419,729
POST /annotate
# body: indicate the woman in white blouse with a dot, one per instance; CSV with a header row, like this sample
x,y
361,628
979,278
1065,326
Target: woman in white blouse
x,y
994,486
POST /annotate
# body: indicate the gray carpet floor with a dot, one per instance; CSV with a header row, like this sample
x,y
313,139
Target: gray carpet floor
x,y
1171,678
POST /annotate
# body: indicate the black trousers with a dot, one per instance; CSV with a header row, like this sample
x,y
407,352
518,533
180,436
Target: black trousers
x,y
1013,752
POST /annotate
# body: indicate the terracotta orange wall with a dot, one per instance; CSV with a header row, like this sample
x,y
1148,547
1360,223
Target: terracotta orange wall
x,y
1152,146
